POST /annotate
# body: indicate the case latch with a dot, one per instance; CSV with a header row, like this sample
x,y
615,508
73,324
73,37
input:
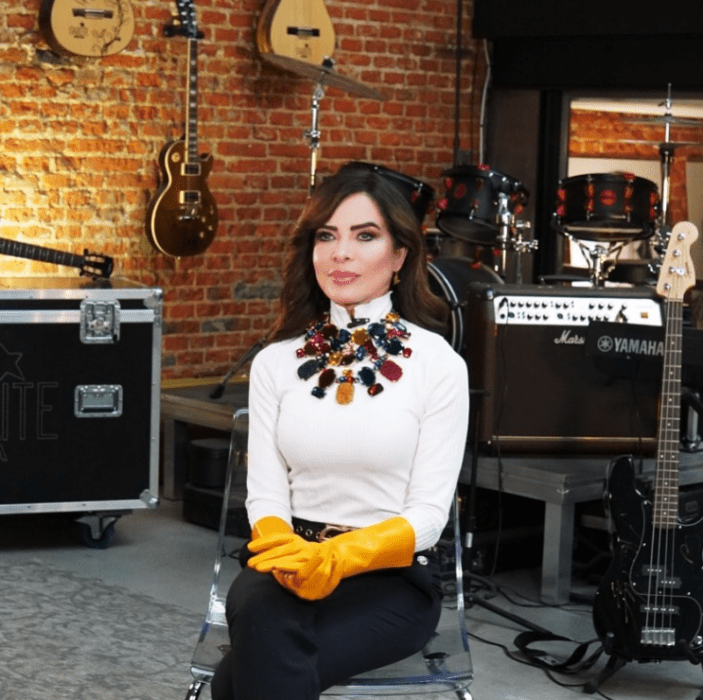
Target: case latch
x,y
100,321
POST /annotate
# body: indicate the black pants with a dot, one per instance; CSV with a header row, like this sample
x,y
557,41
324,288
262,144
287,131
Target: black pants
x,y
286,648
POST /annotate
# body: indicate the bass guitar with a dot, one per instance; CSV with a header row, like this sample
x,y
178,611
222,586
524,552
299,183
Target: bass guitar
x,y
182,216
87,27
89,264
649,605
298,29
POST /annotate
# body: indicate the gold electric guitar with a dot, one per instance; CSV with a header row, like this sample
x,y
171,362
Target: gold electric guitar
x,y
87,27
182,217
298,29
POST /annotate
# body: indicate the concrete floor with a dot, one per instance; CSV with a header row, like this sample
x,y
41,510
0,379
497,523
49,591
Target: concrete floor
x,y
158,554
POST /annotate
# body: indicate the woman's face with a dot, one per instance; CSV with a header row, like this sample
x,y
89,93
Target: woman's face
x,y
354,256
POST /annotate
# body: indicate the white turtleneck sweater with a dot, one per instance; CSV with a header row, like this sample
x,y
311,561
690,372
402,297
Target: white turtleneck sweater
x,y
396,453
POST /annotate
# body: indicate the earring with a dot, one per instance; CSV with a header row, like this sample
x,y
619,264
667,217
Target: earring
x,y
396,278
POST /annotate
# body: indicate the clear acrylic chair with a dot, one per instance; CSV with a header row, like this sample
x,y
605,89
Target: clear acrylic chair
x,y
444,665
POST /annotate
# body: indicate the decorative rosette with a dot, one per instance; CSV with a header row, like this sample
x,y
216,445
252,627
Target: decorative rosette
x,y
332,352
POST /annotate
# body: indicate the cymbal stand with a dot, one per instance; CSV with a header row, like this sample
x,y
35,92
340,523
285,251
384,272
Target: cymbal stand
x,y
521,245
503,219
666,155
313,133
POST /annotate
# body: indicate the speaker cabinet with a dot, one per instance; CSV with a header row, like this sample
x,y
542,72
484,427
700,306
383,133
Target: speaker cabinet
x,y
535,385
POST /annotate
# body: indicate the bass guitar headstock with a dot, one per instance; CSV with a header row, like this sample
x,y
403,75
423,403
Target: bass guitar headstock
x,y
677,273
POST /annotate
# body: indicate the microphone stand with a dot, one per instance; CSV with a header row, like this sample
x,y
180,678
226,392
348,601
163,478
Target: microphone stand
x,y
218,390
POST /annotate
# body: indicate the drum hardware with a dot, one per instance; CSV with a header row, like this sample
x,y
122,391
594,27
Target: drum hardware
x,y
510,238
324,75
597,257
666,154
522,245
313,133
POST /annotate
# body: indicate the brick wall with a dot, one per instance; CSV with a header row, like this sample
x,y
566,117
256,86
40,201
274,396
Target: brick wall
x,y
80,138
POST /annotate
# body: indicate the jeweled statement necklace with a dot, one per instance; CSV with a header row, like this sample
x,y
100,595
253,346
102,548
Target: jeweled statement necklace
x,y
333,352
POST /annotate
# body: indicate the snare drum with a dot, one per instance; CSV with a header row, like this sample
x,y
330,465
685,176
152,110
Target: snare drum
x,y
607,207
449,279
417,193
471,206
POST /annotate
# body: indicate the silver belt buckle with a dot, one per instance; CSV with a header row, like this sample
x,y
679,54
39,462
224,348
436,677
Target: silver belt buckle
x,y
329,531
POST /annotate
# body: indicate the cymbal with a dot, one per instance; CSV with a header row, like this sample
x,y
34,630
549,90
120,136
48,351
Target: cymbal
x,y
664,144
322,74
666,119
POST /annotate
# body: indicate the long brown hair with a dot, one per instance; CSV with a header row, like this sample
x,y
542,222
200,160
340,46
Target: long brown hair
x,y
302,300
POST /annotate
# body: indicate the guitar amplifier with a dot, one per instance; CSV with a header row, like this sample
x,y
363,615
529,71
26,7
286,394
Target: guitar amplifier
x,y
537,387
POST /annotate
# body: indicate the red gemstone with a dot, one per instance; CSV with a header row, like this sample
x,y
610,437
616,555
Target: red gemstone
x,y
326,378
391,371
375,389
407,352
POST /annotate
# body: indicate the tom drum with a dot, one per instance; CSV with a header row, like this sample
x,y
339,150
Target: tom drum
x,y
473,202
419,195
606,207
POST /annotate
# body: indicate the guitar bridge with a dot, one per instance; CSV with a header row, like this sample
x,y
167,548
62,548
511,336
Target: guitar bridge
x,y
655,637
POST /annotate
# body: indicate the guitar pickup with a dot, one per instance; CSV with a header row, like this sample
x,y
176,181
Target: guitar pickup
x,y
190,196
660,609
191,169
303,31
659,574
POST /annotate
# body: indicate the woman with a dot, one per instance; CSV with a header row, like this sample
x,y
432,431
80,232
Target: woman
x,y
357,428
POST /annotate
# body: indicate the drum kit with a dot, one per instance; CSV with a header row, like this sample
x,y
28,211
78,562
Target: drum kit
x,y
480,209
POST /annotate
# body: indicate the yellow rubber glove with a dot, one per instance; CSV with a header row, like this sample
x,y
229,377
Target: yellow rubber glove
x,y
386,545
273,540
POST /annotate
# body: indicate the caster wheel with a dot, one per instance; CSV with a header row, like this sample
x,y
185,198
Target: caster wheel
x,y
103,542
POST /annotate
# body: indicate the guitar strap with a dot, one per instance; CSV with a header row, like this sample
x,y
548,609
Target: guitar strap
x,y
577,662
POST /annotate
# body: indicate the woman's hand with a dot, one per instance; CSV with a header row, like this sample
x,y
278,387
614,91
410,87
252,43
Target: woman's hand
x,y
281,551
388,544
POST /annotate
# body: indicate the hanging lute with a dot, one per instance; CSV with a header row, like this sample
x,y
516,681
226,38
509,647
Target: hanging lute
x,y
182,217
649,606
298,29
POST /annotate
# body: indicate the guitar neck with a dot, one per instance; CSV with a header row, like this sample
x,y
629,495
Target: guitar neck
x,y
666,483
33,252
191,135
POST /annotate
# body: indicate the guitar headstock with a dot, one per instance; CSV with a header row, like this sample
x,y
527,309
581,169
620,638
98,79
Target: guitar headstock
x,y
96,266
677,272
186,24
